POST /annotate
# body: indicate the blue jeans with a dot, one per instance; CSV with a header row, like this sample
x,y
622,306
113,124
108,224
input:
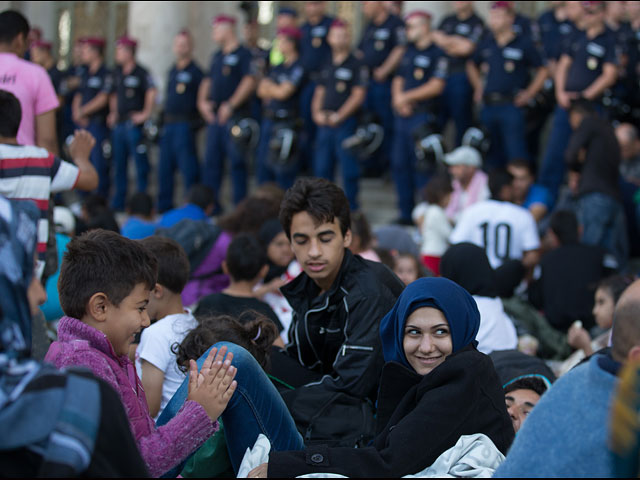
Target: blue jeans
x,y
458,101
220,146
127,140
506,125
283,176
378,101
403,162
553,168
328,149
100,132
177,149
603,223
256,407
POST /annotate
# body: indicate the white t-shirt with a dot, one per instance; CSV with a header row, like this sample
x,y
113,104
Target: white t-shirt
x,y
155,347
435,230
496,330
503,229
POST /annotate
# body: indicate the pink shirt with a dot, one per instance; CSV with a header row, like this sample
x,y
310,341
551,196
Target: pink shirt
x,y
31,84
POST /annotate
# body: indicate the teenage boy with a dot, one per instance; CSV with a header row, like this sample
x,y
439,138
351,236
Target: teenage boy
x,y
337,303
155,361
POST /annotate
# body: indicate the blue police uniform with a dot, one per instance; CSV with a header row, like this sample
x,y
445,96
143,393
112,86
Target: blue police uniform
x,y
315,53
554,34
458,94
260,59
276,113
588,58
68,125
226,72
508,71
632,72
92,84
127,140
416,69
178,146
338,82
376,44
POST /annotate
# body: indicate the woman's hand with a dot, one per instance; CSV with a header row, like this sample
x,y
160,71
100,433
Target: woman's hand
x,y
259,472
214,385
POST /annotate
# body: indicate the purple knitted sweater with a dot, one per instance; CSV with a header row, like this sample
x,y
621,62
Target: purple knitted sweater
x,y
80,345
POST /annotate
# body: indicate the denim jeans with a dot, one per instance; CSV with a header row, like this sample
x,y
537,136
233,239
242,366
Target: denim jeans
x,y
458,101
255,407
507,130
127,140
603,222
177,149
328,149
378,101
220,146
403,162
100,132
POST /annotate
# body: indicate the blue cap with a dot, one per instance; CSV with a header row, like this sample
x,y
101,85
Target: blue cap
x,y
288,11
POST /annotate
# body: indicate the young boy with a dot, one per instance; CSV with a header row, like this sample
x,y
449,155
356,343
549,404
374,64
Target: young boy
x,y
105,282
246,265
155,361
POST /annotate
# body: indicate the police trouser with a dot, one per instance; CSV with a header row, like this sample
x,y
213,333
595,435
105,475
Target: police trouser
x,y
100,132
458,103
127,140
284,176
378,101
177,149
328,149
507,129
309,130
407,178
220,146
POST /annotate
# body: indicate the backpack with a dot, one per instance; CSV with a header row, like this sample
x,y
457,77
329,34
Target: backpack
x,y
196,237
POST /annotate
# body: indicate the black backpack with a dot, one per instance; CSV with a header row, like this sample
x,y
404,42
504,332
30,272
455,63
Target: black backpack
x,y
196,237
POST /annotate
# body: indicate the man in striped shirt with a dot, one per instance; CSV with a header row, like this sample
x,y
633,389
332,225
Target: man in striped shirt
x,y
32,173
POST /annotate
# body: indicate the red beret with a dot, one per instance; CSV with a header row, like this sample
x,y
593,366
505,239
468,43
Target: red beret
x,y
42,44
94,41
340,23
291,32
592,5
127,41
223,19
505,5
418,13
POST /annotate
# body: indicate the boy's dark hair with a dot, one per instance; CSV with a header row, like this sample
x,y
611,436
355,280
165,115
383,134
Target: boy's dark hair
x,y
498,179
520,163
201,195
564,224
12,24
582,106
249,215
103,218
616,284
527,383
437,188
140,203
256,336
10,114
320,198
360,228
245,257
173,264
102,261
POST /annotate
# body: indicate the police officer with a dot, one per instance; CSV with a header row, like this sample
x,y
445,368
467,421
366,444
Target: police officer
x,y
315,53
506,59
280,94
340,93
287,18
90,106
458,35
177,146
418,83
260,58
586,68
555,28
381,48
223,94
131,105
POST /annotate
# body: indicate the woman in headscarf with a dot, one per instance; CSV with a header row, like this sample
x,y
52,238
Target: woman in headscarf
x,y
435,387
467,265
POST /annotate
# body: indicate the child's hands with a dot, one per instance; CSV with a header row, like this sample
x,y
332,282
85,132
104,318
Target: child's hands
x,y
81,146
213,386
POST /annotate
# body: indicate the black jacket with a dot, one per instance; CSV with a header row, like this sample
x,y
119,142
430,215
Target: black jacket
x,y
337,334
419,418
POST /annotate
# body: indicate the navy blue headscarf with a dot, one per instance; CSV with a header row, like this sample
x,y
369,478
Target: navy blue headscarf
x,y
451,299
